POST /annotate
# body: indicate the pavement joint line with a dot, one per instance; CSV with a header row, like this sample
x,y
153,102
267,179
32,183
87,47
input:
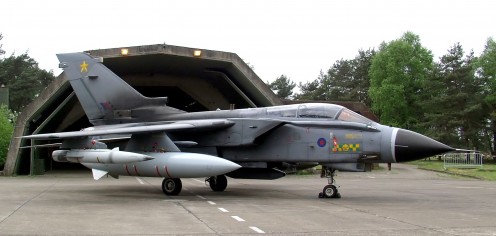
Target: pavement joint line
x,y
238,218
201,197
256,229
388,218
26,202
139,180
211,203
223,209
197,218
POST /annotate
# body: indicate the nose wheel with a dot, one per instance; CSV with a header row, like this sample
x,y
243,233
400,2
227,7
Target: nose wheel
x,y
330,190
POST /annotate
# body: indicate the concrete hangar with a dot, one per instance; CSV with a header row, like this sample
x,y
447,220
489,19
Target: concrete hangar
x,y
192,79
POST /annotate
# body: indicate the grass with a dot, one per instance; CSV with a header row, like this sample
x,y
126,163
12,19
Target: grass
x,y
487,172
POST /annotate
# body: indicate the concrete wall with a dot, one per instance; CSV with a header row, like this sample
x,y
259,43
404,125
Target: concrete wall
x,y
22,123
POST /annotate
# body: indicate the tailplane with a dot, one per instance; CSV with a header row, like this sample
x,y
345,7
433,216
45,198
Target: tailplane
x,y
104,96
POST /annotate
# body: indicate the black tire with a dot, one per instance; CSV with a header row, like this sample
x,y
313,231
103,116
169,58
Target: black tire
x,y
218,183
172,186
330,191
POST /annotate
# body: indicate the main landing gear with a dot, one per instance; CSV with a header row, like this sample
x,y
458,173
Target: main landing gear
x,y
172,186
217,183
330,190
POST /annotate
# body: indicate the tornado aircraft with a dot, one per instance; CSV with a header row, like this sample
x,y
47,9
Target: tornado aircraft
x,y
253,143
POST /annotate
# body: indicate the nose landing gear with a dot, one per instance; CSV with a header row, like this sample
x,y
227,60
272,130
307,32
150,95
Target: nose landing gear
x,y
330,190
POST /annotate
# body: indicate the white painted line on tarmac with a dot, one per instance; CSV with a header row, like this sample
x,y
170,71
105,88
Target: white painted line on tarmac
x,y
469,187
211,203
256,229
199,181
223,209
201,197
238,218
372,177
140,181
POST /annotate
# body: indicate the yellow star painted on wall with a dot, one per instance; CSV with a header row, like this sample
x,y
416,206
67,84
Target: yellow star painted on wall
x,y
84,66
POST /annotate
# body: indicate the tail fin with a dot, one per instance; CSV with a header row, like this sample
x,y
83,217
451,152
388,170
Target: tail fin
x,y
105,97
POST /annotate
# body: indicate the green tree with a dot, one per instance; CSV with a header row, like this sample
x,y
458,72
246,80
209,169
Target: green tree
x,y
349,79
453,101
283,87
316,90
340,79
1,50
24,79
361,67
396,75
6,130
486,71
345,80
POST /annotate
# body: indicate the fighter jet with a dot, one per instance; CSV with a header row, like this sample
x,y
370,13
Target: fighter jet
x,y
253,143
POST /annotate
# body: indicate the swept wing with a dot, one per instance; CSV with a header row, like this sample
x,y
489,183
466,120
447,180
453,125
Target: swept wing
x,y
107,130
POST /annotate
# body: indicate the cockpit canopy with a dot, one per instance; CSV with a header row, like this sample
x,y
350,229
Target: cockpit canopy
x,y
317,111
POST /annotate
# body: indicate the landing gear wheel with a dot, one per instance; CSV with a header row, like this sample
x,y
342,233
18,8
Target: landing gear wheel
x,y
218,183
330,191
172,186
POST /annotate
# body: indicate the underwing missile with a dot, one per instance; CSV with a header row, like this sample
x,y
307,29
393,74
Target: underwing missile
x,y
171,165
103,156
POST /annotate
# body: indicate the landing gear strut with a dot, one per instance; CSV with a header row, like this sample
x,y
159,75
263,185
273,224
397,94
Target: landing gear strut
x,y
172,186
330,190
217,183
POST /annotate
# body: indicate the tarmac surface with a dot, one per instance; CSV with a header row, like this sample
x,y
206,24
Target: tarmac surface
x,y
404,201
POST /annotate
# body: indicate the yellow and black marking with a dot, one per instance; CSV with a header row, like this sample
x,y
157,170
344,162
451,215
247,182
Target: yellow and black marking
x,y
348,147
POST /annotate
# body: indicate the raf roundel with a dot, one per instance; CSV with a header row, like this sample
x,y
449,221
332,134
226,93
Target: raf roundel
x,y
321,142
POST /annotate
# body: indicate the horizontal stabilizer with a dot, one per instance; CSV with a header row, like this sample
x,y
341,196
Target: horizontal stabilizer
x,y
98,174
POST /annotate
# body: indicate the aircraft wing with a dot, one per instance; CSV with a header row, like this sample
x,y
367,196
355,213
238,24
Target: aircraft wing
x,y
175,126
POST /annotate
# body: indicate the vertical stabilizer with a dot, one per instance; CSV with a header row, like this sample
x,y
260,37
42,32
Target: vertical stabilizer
x,y
104,96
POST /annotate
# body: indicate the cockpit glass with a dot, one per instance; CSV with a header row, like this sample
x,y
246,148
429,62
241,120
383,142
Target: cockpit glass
x,y
282,111
348,115
317,111
322,111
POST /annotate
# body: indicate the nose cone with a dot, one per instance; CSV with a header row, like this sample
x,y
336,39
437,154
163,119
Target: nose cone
x,y
413,146
221,166
194,165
